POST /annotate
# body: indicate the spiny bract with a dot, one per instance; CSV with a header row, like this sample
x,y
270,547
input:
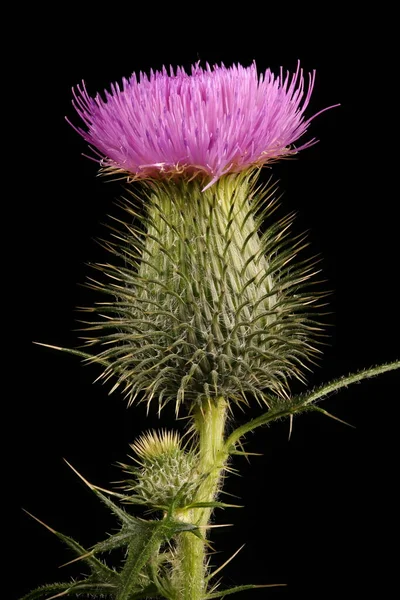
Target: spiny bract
x,y
153,445
203,303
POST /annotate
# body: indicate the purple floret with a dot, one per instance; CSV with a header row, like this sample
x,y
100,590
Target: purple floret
x,y
214,121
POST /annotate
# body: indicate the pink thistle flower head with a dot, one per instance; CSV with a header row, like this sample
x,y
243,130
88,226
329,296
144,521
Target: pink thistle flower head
x,y
210,122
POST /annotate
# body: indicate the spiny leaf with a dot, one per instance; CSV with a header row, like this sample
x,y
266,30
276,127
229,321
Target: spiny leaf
x,y
141,529
45,590
68,589
304,402
120,513
95,565
113,542
142,547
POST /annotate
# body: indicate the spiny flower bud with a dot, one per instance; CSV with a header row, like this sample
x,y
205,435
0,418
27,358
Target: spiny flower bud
x,y
164,470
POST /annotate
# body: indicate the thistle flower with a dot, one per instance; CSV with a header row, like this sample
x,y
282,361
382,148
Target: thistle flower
x,y
203,304
214,121
207,305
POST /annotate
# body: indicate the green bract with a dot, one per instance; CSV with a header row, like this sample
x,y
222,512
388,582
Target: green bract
x,y
205,303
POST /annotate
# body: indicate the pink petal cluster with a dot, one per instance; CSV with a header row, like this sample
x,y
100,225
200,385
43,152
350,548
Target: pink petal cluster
x,y
213,121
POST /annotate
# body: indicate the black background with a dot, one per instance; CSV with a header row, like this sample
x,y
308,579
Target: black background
x,y
318,509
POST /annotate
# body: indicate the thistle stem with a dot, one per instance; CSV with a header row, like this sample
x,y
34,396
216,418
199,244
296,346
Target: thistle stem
x,y
209,422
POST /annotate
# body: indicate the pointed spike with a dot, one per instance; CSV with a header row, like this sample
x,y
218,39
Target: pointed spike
x,y
60,594
69,351
327,414
120,513
290,427
77,559
246,454
85,481
225,563
41,522
214,526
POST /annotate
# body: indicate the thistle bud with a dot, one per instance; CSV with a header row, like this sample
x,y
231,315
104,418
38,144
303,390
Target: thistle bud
x,y
165,471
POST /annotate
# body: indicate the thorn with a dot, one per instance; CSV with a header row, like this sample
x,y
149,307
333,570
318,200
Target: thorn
x,y
269,585
290,427
77,559
327,414
214,526
116,494
41,522
90,486
246,454
100,489
225,563
231,495
243,451
64,593
84,355
47,346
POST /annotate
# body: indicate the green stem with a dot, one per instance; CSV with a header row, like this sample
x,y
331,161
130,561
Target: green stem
x,y
191,551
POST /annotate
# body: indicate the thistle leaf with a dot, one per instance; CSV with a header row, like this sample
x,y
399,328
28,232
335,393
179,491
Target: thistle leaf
x,y
96,566
120,513
304,402
43,592
142,547
81,588
142,539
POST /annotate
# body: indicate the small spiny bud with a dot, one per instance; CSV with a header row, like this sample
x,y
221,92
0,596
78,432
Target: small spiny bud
x,y
164,470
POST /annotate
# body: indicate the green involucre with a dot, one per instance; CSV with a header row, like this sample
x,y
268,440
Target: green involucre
x,y
203,303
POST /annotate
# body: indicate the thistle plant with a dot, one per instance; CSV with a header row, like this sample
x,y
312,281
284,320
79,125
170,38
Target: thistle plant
x,y
208,301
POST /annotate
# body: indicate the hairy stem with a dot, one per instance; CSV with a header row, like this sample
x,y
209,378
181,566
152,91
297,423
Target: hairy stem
x,y
191,551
